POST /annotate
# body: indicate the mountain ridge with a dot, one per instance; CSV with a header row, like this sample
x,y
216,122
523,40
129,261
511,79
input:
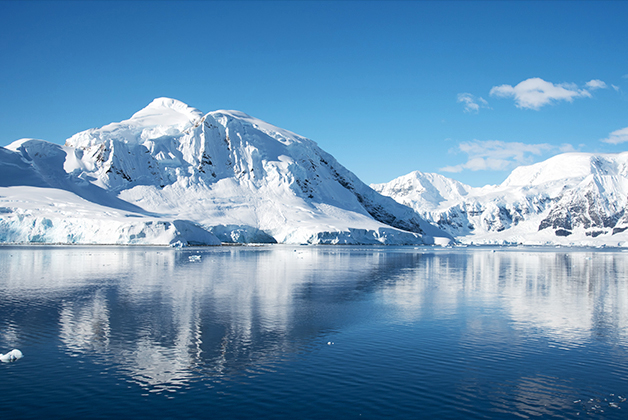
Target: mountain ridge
x,y
571,198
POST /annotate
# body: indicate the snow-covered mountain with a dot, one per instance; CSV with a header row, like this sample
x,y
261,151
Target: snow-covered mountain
x,y
572,198
173,174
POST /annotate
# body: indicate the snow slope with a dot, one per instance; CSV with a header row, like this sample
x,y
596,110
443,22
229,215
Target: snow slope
x,y
572,198
171,173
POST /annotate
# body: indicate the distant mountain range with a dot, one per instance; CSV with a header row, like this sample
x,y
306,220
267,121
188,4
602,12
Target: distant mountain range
x,y
572,198
173,175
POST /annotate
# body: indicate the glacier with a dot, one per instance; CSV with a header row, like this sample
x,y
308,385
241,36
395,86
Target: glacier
x,y
569,199
172,174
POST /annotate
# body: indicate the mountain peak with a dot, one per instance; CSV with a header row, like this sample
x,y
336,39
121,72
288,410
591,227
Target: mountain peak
x,y
169,109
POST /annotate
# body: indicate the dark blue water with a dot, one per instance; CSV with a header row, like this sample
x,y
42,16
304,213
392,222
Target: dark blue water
x,y
313,333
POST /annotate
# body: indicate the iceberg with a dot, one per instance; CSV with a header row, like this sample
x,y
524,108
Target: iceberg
x,y
11,356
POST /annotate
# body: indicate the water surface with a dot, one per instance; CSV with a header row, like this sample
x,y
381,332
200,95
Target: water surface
x,y
313,332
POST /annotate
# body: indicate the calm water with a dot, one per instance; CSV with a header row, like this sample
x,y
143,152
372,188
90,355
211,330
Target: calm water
x,y
313,333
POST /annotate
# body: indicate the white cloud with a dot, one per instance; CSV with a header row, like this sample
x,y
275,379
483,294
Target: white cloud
x,y
535,92
496,155
595,84
617,88
472,104
617,136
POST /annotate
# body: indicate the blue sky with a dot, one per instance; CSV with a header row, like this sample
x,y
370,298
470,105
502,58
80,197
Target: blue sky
x,y
466,89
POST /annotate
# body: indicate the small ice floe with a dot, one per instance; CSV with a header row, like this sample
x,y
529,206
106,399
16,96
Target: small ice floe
x,y
177,245
11,356
194,258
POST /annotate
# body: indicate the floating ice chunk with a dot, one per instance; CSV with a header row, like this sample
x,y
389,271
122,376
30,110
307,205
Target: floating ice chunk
x,y
177,245
11,356
194,258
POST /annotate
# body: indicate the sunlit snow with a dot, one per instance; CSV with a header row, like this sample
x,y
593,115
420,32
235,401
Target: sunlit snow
x,y
173,175
569,199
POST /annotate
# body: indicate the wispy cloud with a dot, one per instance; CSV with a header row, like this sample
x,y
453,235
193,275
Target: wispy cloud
x,y
496,155
472,103
617,136
535,92
595,84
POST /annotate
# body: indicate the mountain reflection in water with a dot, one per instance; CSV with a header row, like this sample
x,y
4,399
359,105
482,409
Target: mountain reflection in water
x,y
163,321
